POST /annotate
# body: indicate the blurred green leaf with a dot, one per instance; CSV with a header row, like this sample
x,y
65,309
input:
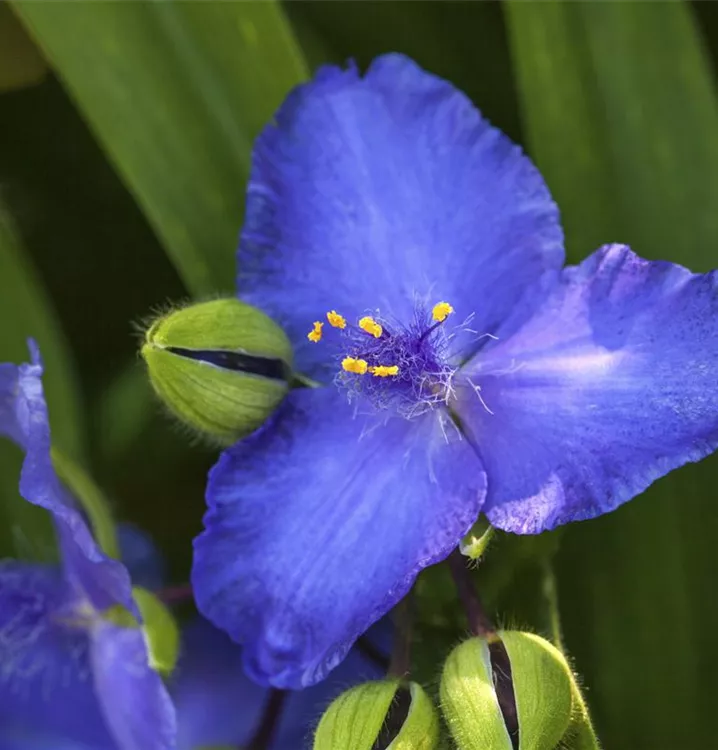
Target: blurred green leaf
x,y
123,410
621,117
176,93
21,63
25,531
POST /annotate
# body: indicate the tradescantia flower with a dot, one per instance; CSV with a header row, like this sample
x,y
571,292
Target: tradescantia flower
x,y
68,669
219,706
414,256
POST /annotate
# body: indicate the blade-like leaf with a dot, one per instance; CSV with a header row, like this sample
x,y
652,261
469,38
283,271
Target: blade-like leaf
x,y
621,117
25,311
176,93
21,63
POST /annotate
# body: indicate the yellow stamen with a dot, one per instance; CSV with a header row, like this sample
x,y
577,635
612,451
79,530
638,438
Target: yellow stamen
x,y
370,326
384,371
441,311
315,334
336,320
357,366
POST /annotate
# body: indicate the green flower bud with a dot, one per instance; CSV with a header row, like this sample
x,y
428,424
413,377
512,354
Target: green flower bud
x,y
515,688
221,366
476,542
385,715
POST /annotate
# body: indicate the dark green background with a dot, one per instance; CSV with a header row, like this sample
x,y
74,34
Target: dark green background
x,y
121,179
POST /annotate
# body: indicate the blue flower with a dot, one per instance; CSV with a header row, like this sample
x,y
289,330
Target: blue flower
x,y
217,704
471,373
66,670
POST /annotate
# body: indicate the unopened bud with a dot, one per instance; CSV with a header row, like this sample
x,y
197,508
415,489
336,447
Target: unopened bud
x,y
476,542
220,366
383,715
514,691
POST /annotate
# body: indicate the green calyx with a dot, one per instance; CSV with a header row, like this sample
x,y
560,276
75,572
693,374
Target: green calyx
x,y
382,715
158,625
580,734
161,631
542,683
538,704
221,367
469,701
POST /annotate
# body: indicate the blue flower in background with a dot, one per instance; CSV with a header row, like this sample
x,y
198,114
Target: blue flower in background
x,y
217,704
66,670
414,256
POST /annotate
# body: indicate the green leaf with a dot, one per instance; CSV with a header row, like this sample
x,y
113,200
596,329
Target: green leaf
x,y
123,410
176,93
621,117
21,63
25,530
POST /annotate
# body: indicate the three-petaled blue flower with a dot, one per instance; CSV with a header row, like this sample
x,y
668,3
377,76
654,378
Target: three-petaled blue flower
x,y
472,372
68,673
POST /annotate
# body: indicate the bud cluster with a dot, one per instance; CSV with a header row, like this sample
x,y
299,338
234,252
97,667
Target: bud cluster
x,y
511,691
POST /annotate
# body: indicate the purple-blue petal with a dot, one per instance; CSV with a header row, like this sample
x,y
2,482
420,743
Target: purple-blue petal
x,y
141,557
46,687
217,704
375,191
24,419
611,385
318,524
133,700
11,739
131,695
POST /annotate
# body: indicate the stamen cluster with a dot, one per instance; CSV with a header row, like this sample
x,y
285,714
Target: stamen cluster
x,y
391,365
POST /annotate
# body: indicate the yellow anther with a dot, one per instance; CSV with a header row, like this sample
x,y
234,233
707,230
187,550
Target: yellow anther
x,y
441,311
336,320
315,334
370,326
357,366
383,371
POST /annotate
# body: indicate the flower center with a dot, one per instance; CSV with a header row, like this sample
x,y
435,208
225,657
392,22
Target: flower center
x,y
392,365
